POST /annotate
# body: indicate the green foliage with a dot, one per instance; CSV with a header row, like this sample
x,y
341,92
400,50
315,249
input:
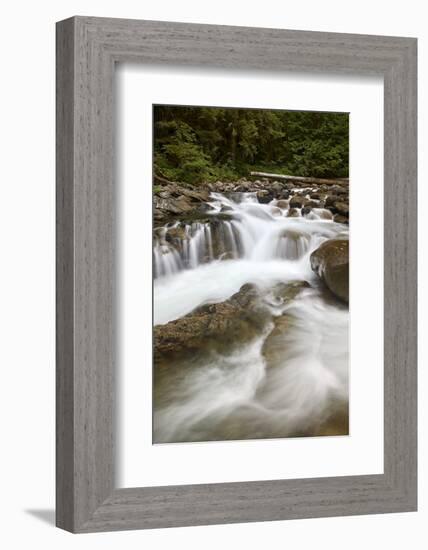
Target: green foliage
x,y
195,144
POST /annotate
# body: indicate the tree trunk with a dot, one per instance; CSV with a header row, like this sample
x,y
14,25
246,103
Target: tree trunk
x,y
300,179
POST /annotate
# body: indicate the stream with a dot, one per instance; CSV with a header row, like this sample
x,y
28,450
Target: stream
x,y
298,385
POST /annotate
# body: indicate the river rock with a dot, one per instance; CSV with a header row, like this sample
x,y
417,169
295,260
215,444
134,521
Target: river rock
x,y
309,204
338,190
324,214
181,205
283,293
172,205
276,186
285,194
338,218
264,196
293,213
199,195
342,208
331,199
176,233
172,199
215,327
220,327
282,203
331,263
298,201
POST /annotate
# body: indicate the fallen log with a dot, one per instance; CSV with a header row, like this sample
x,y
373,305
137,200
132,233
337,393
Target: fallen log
x,y
160,179
300,179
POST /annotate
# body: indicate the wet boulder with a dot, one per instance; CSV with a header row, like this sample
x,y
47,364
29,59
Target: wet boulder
x,y
221,327
342,208
171,205
331,263
172,199
284,194
293,213
331,199
320,214
308,206
276,187
341,190
324,214
298,201
338,218
264,196
213,327
283,293
282,203
176,234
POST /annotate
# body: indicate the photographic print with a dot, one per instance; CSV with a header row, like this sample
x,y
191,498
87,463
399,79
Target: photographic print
x,y
250,273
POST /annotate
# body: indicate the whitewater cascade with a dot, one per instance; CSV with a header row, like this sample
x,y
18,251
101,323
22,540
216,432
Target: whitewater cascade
x,y
235,396
240,227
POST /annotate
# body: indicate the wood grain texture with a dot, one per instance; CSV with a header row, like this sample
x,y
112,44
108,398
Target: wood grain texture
x,y
87,49
64,276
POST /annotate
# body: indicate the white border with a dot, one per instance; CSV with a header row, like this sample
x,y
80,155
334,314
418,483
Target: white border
x,y
140,462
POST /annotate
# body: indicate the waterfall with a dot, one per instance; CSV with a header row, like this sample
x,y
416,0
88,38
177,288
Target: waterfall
x,y
281,384
239,227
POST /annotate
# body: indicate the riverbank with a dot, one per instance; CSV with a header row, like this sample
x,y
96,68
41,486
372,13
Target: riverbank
x,y
173,200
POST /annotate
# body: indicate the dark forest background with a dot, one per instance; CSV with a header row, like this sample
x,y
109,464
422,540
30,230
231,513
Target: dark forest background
x,y
195,144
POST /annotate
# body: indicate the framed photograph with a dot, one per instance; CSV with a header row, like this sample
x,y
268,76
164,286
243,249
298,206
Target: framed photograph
x,y
236,274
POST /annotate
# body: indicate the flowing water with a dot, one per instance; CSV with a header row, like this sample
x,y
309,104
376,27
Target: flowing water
x,y
299,386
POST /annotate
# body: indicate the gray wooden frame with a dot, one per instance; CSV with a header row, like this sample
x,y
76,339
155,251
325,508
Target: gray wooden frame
x,y
87,50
